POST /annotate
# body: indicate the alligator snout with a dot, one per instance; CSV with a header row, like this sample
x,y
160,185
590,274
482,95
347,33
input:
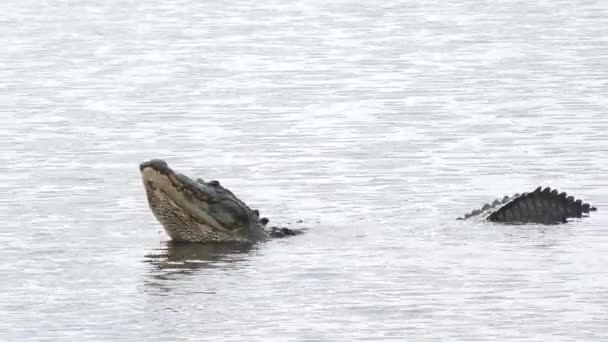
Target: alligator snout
x,y
156,164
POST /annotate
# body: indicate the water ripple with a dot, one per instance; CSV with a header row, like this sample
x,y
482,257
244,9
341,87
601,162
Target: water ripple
x,y
377,124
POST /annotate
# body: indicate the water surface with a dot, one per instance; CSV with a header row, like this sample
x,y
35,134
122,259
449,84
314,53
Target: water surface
x,y
376,123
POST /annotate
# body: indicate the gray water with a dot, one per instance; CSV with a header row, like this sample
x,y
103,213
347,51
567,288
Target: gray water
x,y
376,123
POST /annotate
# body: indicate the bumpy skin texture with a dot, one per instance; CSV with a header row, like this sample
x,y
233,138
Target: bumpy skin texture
x,y
539,206
199,211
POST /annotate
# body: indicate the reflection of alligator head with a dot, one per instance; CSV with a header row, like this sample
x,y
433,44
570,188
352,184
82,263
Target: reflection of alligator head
x,y
199,211
173,261
189,256
539,206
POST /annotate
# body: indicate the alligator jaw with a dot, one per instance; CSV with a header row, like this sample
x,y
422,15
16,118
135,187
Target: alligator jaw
x,y
197,211
159,178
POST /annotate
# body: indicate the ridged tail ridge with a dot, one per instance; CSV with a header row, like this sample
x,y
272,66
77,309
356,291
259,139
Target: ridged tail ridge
x,y
545,206
489,207
541,206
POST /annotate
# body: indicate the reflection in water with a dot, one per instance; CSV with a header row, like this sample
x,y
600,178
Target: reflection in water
x,y
173,260
184,256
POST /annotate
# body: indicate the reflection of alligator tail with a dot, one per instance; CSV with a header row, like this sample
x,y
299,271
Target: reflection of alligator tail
x,y
540,206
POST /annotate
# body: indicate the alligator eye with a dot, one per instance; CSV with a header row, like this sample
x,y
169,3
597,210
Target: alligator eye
x,y
214,183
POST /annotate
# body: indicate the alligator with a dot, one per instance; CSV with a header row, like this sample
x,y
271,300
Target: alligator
x,y
542,206
198,211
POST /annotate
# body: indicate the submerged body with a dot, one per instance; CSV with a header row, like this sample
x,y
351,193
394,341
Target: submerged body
x,y
539,206
199,211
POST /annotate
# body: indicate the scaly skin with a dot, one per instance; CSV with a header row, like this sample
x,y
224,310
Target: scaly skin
x,y
199,211
539,206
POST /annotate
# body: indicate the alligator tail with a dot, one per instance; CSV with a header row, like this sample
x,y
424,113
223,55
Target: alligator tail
x,y
544,206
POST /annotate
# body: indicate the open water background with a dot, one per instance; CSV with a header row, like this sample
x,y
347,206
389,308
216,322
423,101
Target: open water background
x,y
377,123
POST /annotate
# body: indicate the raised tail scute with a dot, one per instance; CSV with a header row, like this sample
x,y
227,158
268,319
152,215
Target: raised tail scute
x,y
545,206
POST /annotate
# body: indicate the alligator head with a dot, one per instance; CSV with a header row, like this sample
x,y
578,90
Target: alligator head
x,y
198,211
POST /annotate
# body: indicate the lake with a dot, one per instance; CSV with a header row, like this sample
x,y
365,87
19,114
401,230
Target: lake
x,y
375,123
